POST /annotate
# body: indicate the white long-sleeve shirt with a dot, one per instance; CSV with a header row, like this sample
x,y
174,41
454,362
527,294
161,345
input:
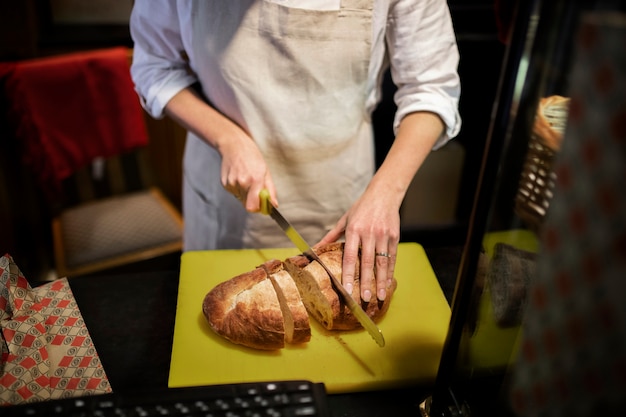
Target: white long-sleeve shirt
x,y
415,37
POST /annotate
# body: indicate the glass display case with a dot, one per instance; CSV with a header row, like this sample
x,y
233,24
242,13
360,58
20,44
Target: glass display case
x,y
516,188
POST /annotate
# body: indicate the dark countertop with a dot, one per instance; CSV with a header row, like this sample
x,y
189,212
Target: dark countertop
x,y
131,320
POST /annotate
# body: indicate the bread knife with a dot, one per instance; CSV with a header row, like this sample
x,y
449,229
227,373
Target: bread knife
x,y
268,208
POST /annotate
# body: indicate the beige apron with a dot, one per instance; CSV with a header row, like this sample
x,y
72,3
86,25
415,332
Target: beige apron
x,y
296,80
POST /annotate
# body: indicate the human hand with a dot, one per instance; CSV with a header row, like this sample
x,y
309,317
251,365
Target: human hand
x,y
372,225
245,173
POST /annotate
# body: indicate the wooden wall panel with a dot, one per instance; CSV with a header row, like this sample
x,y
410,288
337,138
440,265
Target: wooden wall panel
x,y
165,153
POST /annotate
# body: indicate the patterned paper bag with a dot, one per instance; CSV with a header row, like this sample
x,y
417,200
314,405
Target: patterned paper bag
x,y
45,348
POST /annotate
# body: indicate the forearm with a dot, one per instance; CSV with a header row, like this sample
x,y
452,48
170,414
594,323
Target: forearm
x,y
417,134
194,114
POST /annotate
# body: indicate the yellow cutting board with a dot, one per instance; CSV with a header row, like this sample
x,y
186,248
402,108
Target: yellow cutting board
x,y
414,327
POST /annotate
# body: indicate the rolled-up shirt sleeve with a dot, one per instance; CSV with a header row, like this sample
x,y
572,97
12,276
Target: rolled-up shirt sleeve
x,y
159,69
424,62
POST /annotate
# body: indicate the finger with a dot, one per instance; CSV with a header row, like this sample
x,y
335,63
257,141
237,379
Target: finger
x,y
382,260
253,199
253,202
391,266
269,184
350,257
332,236
238,193
367,270
335,233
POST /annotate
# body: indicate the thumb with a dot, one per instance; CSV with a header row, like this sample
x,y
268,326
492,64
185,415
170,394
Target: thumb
x,y
334,234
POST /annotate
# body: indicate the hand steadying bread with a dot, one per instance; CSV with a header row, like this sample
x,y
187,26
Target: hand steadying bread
x,y
270,305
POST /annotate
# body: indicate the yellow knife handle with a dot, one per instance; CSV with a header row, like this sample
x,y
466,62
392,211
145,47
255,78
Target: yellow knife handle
x,y
264,195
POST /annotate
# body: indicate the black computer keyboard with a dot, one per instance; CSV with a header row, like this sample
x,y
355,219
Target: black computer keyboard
x,y
262,399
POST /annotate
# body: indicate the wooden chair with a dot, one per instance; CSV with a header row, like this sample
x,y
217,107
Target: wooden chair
x,y
108,213
113,217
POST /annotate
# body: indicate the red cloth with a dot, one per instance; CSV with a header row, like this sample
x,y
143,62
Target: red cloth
x,y
72,108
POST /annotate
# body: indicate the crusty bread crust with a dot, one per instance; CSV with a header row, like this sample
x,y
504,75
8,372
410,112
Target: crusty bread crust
x,y
246,311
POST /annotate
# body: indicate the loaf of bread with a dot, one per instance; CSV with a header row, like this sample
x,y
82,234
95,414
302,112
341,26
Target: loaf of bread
x,y
270,305
551,119
246,310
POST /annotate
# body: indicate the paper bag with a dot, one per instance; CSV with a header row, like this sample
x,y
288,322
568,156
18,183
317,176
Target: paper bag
x,y
45,348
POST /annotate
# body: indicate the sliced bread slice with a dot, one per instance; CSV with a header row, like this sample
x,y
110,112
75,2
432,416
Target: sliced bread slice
x,y
297,326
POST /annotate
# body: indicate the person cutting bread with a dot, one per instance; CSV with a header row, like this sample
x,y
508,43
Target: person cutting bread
x,y
278,95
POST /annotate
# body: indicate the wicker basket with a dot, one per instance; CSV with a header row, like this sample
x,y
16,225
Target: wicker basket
x,y
537,178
